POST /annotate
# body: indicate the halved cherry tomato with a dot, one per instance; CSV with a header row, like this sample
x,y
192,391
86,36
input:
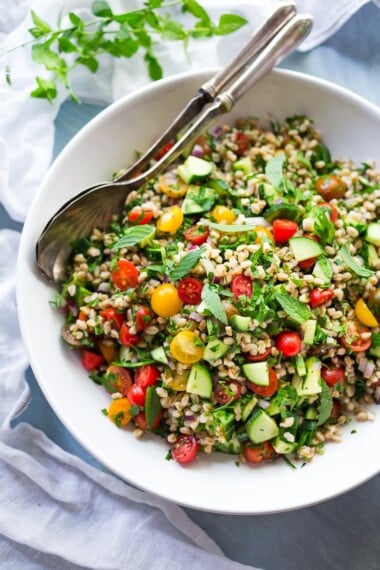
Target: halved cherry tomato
x,y
172,185
241,140
164,150
118,411
109,349
318,297
190,291
333,212
223,393
143,317
137,395
118,379
170,220
258,357
91,360
330,186
223,215
289,342
353,339
202,144
113,316
126,337
333,375
283,230
266,391
140,421
126,275
262,233
165,300
185,449
147,375
365,315
187,347
258,453
138,217
241,285
197,234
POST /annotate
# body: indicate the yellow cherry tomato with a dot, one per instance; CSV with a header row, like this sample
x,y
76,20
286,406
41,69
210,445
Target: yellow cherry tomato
x,y
223,215
186,347
171,185
365,315
165,301
118,412
261,232
179,382
171,220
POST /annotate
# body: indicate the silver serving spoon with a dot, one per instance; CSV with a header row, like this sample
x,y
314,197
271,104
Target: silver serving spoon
x,y
95,206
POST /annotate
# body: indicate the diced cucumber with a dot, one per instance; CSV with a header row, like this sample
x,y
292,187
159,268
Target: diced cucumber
x,y
309,329
234,447
244,164
283,447
323,270
373,234
261,427
287,211
300,365
240,323
311,414
273,409
304,248
355,220
269,193
375,351
215,349
311,384
199,381
126,354
257,373
373,258
194,169
248,408
198,199
223,422
159,355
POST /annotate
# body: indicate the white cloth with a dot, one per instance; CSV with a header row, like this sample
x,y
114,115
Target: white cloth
x,y
50,499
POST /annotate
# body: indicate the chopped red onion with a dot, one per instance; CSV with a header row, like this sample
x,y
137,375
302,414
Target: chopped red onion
x,y
377,395
104,287
278,201
366,367
218,131
198,151
263,404
196,317
192,247
216,279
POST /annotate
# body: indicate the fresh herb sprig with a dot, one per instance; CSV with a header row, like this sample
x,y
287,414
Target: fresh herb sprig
x,y
81,42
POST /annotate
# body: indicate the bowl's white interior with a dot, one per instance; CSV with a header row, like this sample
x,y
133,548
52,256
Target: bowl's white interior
x,y
351,128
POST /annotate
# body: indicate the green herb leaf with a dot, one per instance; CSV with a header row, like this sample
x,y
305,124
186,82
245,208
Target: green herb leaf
x,y
186,264
297,311
274,169
353,265
196,10
41,28
231,228
375,340
134,235
154,68
46,89
323,226
152,406
212,302
101,9
325,405
229,23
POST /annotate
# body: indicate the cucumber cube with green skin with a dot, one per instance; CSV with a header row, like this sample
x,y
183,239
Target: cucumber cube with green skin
x,y
311,384
159,355
215,349
373,258
309,329
323,270
305,248
244,164
373,234
257,373
198,199
261,427
248,407
194,169
240,323
283,447
199,381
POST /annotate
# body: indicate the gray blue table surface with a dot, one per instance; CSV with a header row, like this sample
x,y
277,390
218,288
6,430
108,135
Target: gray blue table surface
x,y
340,534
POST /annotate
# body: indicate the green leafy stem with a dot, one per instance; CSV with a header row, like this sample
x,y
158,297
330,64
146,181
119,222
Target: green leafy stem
x,y
121,35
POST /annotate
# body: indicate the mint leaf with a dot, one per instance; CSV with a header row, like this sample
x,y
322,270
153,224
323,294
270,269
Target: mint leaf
x,y
353,265
101,9
154,68
212,302
196,10
274,169
297,311
186,264
152,406
231,228
325,405
323,226
229,23
46,89
41,27
134,235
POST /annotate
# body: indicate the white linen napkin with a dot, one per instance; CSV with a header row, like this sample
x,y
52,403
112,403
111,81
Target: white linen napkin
x,y
100,517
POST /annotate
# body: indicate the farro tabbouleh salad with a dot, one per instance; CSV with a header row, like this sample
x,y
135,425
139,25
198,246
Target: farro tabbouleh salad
x,y
234,305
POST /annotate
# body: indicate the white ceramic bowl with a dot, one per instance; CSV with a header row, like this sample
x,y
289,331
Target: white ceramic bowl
x,y
350,127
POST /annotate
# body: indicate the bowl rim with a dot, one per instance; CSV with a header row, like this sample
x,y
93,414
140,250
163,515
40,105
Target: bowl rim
x,y
23,265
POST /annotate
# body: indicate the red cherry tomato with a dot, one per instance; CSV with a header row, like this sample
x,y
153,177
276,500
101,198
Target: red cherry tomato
x,y
140,421
185,449
113,316
164,150
143,317
91,360
289,343
307,263
118,379
266,391
147,375
190,291
258,453
241,285
241,140
333,212
223,393
333,375
318,297
126,337
258,357
125,276
138,217
283,230
353,339
197,234
137,395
